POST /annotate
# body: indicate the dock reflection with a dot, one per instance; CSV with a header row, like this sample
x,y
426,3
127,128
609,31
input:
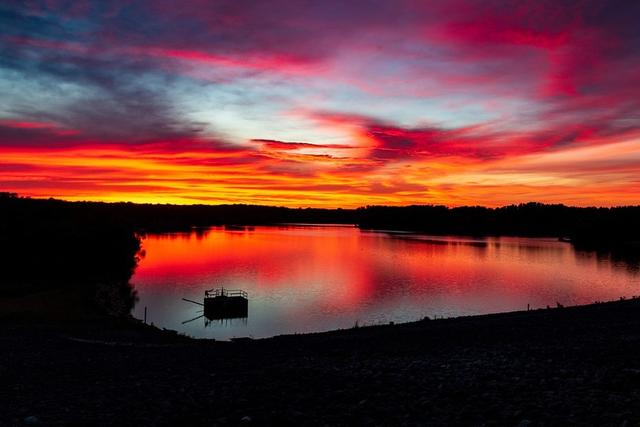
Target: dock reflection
x,y
217,320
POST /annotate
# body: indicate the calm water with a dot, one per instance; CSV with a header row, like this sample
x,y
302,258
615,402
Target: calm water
x,y
317,278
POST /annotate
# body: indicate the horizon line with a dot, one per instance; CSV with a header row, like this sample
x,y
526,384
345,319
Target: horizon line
x,y
113,202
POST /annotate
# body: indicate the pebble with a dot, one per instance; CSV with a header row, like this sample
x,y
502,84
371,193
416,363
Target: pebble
x,y
31,420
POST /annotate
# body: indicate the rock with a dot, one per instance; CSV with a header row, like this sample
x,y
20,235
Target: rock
x,y
524,423
31,420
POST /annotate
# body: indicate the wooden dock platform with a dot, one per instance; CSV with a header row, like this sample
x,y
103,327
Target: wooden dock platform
x,y
226,304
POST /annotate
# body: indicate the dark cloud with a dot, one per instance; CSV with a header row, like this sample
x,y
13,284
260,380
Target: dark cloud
x,y
103,97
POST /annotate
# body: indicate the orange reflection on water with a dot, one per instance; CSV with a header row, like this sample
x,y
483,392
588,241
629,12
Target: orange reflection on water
x,y
305,278
270,258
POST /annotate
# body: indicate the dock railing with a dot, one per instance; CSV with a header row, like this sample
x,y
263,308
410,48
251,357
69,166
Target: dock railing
x,y
213,293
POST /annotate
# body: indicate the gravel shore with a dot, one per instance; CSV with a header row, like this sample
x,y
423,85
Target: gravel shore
x,y
561,366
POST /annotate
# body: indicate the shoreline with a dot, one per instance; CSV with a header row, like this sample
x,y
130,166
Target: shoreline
x,y
51,308
572,366
86,322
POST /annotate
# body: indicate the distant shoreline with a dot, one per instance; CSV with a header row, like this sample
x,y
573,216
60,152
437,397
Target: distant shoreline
x,y
582,225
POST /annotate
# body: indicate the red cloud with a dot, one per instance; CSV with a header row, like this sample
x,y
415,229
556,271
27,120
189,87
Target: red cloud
x,y
284,145
26,125
389,142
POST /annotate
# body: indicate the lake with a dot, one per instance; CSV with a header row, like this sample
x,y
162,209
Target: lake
x,y
311,278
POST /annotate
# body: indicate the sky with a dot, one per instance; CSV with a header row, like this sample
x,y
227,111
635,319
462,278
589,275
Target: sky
x,y
322,103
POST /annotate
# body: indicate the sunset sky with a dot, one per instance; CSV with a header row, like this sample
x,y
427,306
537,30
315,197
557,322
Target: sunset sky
x,y
322,103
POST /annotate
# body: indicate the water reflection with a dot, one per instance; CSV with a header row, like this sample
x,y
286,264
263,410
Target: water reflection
x,y
627,257
307,278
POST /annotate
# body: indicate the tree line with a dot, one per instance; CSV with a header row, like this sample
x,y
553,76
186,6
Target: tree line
x,y
527,219
48,243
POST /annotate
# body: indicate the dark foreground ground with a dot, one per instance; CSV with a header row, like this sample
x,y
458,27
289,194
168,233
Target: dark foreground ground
x,y
567,366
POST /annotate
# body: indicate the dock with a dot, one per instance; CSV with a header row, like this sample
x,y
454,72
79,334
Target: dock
x,y
225,304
